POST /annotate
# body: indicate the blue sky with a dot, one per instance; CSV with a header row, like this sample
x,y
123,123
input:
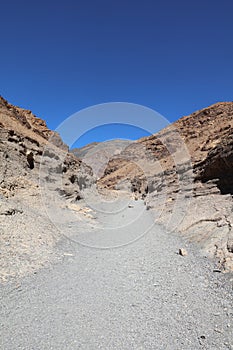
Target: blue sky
x,y
58,57
108,132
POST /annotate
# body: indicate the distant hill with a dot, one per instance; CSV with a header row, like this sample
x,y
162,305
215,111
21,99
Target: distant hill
x,y
97,154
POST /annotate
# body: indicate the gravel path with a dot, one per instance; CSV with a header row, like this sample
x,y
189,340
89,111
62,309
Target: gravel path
x,y
141,295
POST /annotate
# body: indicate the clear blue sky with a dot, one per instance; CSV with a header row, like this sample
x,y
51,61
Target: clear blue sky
x,y
58,57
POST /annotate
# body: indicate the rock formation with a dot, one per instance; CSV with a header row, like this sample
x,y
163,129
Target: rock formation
x,y
185,174
34,161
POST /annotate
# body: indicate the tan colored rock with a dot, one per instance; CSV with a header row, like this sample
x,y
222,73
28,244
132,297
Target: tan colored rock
x,y
186,170
183,252
28,237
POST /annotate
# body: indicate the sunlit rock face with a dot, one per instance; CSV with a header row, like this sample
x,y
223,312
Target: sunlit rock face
x,y
187,170
37,174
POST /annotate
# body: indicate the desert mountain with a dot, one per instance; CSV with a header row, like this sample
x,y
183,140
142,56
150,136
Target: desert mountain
x,y
97,154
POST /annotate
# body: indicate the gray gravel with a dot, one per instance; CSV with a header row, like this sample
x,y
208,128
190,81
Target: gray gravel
x,y
141,295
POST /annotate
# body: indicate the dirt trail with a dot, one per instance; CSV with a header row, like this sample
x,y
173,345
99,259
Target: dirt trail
x,y
141,295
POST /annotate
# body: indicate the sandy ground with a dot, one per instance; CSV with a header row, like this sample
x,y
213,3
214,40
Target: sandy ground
x,y
120,285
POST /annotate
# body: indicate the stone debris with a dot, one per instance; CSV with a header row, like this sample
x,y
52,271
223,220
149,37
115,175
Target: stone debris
x,y
183,252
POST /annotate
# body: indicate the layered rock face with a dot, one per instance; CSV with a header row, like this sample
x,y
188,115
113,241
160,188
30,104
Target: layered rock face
x,y
29,150
37,172
185,174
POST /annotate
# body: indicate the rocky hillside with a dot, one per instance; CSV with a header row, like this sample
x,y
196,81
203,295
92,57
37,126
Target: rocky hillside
x,y
185,174
34,161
